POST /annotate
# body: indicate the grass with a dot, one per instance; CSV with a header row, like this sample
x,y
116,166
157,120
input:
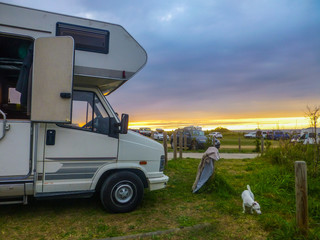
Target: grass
x,y
218,204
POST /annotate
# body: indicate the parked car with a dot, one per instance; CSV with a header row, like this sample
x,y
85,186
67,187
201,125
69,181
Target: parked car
x,y
195,138
250,135
135,130
277,135
264,134
216,134
158,136
145,131
270,135
309,138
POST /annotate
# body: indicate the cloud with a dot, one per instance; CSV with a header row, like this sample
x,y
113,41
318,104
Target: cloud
x,y
217,58
170,15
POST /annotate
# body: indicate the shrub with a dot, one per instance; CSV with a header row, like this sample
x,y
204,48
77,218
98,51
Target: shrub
x,y
209,142
258,145
288,153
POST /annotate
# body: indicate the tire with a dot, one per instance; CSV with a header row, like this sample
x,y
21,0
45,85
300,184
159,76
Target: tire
x,y
121,192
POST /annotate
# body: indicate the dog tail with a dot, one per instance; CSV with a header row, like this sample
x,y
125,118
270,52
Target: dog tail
x,y
248,187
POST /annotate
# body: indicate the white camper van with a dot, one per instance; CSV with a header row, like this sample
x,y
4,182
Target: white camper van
x,y
59,136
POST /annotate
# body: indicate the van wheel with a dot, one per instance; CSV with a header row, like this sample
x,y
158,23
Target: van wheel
x,y
121,192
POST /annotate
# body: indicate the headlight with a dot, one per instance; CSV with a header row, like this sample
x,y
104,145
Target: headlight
x,y
162,162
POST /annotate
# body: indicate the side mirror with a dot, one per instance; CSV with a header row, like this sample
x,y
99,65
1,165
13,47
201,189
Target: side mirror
x,y
124,123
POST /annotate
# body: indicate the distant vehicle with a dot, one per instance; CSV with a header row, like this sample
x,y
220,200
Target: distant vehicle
x,y
159,130
158,135
295,138
195,138
145,131
250,135
270,135
216,134
277,135
264,134
309,138
135,130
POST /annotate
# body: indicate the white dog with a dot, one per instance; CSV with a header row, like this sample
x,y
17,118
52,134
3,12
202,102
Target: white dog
x,y
248,201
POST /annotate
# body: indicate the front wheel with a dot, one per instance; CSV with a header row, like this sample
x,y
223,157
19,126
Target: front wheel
x,y
121,192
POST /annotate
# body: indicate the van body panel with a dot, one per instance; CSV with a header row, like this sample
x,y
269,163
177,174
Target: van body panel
x,y
75,158
15,150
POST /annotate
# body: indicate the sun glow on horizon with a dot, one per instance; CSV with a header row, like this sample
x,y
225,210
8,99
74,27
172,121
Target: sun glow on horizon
x,y
231,124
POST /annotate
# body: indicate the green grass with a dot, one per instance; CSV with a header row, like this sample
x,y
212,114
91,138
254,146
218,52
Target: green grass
x,y
218,204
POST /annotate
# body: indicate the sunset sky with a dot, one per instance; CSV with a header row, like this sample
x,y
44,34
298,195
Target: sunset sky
x,y
239,64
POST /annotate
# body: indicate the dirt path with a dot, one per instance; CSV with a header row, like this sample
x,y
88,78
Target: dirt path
x,y
222,155
236,146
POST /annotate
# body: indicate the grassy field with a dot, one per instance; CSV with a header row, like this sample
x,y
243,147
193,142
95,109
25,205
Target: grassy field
x,y
218,204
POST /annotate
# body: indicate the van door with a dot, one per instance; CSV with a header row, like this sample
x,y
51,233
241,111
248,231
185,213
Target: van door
x,y
75,152
52,80
15,125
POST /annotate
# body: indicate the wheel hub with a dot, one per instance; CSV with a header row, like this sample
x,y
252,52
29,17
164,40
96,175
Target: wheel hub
x,y
123,193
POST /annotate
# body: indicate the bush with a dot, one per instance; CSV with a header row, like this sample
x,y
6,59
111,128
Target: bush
x,y
258,145
288,153
209,142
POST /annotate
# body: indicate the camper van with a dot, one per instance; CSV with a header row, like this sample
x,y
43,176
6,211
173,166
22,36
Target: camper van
x,y
59,136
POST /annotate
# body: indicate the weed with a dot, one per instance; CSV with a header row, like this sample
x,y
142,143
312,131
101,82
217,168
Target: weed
x,y
185,221
258,145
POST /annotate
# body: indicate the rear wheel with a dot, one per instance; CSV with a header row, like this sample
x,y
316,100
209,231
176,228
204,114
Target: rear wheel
x,y
121,192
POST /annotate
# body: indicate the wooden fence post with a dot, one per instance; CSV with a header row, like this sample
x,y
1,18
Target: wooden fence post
x,y
175,145
214,141
301,196
180,144
239,144
262,145
165,146
185,143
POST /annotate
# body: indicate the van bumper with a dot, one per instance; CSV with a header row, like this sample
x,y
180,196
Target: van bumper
x,y
158,183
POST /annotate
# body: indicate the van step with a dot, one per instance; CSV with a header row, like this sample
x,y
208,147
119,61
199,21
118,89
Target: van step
x,y
23,201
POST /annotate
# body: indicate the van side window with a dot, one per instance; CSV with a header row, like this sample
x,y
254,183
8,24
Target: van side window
x,y
16,56
88,113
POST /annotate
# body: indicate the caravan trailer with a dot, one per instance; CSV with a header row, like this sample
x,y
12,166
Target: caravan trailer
x,y
59,136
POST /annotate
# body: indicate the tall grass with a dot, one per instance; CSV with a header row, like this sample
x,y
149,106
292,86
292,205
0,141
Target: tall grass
x,y
287,153
283,158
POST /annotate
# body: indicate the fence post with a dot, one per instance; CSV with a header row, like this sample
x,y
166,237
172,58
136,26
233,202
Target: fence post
x,y
262,145
165,146
175,145
185,143
180,144
214,141
239,144
301,196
